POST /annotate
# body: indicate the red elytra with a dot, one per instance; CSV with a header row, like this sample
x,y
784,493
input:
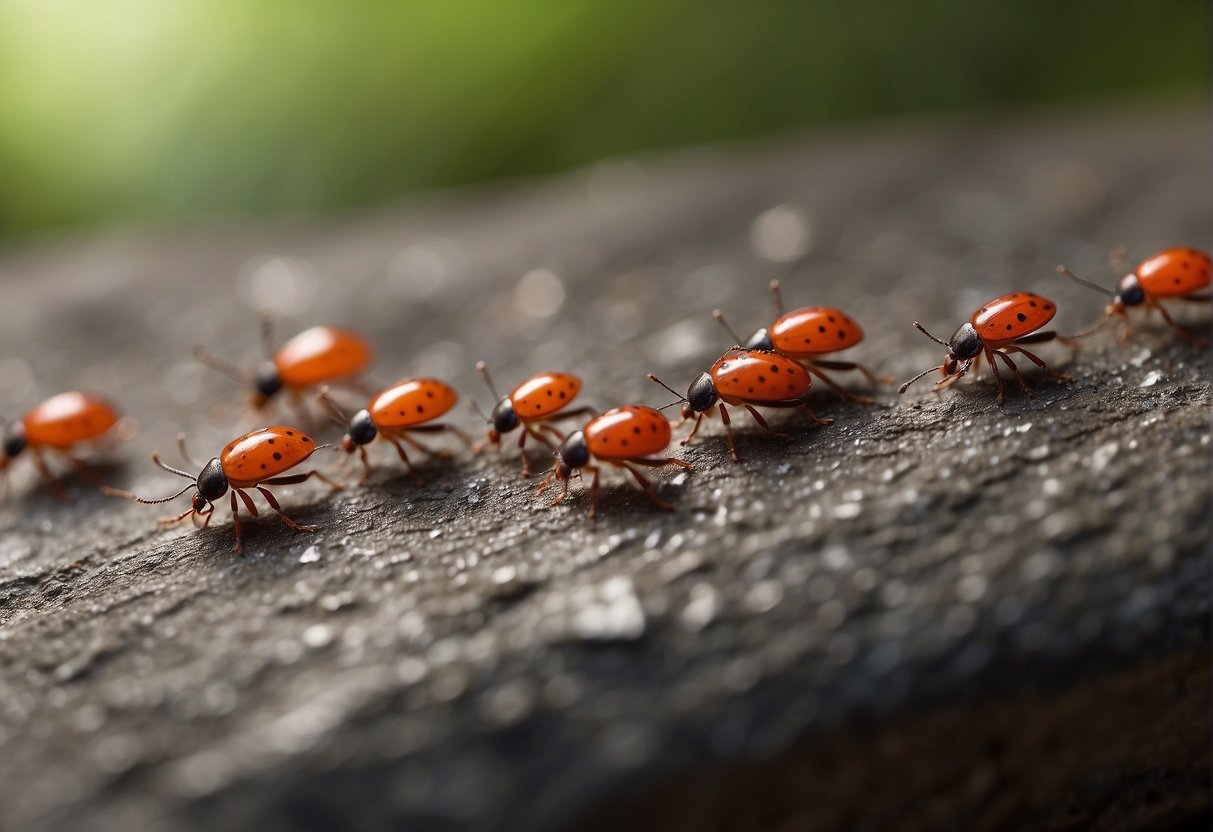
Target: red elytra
x,y
1172,274
320,355
252,461
808,334
1001,326
745,378
58,424
408,406
533,404
264,454
1012,316
623,437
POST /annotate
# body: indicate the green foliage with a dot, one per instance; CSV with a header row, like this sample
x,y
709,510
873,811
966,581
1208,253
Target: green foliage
x,y
138,109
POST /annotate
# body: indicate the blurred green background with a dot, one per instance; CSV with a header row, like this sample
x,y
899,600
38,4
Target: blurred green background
x,y
150,110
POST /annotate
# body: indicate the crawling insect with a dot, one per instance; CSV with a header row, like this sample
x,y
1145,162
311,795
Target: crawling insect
x,y
1002,325
623,437
252,461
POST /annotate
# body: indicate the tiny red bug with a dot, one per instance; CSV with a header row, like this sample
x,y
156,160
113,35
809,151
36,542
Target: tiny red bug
x,y
408,406
808,334
320,355
254,460
746,378
533,404
623,437
1002,325
1174,273
57,424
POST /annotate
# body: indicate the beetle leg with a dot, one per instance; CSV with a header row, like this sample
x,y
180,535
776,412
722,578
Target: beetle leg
x,y
814,368
728,432
55,483
763,422
295,479
1036,359
1019,379
593,492
646,485
273,501
404,457
1181,331
236,520
686,440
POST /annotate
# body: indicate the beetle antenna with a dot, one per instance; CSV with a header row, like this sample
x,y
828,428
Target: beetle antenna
x,y
185,454
335,412
923,330
222,366
775,293
681,398
1064,272
719,316
905,386
171,469
128,495
480,411
484,373
267,333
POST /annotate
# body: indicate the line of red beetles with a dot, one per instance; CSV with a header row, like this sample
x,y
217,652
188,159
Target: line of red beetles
x,y
772,369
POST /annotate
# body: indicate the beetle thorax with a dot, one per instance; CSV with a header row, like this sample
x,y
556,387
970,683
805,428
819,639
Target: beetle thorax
x,y
701,395
14,440
965,344
504,417
212,482
572,453
1129,291
760,340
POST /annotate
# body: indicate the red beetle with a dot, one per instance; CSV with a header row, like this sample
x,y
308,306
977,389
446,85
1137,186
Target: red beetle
x,y
408,406
1001,326
808,334
1174,273
746,378
533,404
254,460
57,424
320,355
623,437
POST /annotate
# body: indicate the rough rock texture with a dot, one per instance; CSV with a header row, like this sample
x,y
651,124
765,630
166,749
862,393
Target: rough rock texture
x,y
936,613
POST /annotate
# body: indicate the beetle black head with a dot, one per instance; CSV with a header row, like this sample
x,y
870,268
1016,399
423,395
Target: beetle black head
x,y
572,453
361,431
964,345
760,340
212,483
1129,291
14,440
266,382
505,419
701,395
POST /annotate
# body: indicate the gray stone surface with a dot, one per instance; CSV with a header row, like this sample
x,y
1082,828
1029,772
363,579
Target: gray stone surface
x,y
913,618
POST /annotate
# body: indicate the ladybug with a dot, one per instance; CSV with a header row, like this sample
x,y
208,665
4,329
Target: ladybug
x,y
319,355
1177,273
58,424
408,406
533,404
1000,326
623,437
745,378
808,334
255,460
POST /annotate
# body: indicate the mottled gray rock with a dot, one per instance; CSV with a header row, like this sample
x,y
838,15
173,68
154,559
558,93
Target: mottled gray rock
x,y
936,613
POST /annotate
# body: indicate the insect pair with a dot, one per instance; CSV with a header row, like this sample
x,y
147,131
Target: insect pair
x,y
1011,322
